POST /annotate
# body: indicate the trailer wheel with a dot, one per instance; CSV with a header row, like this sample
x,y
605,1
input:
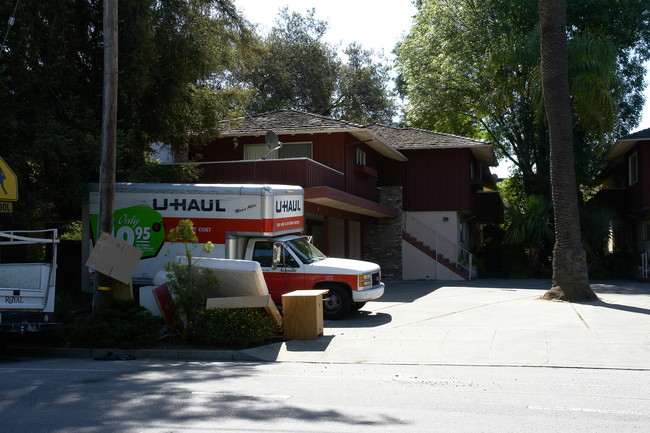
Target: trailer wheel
x,y
336,303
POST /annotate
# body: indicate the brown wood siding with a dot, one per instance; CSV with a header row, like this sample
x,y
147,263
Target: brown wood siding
x,y
635,193
361,180
224,149
433,180
622,196
642,195
303,172
328,149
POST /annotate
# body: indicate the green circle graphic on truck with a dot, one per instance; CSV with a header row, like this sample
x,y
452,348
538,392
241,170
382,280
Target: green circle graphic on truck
x,y
140,226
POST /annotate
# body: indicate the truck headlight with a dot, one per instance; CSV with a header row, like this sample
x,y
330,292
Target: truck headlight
x,y
365,281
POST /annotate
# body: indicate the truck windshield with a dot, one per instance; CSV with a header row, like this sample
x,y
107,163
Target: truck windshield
x,y
305,251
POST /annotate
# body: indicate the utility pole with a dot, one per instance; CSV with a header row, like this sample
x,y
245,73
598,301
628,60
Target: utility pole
x,y
102,292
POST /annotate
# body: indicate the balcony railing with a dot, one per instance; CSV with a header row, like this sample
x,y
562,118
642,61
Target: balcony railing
x,y
291,171
295,171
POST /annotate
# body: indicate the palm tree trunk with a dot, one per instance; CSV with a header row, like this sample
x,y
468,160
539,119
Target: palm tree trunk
x,y
570,280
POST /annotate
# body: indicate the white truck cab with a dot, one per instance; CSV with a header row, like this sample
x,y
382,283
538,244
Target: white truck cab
x,y
291,261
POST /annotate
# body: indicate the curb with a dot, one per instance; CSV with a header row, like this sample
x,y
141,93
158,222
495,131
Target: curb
x,y
162,354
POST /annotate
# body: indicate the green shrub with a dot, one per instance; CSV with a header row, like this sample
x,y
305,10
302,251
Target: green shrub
x,y
189,284
71,231
236,327
519,271
123,325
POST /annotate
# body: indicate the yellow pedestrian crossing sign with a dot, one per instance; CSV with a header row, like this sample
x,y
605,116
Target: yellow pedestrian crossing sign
x,y
8,183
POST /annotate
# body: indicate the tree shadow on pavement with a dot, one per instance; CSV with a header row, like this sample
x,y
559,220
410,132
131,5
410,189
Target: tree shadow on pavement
x,y
362,319
620,287
142,395
411,290
620,307
408,291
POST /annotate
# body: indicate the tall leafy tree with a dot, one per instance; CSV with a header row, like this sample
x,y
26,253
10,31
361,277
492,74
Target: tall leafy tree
x,y
472,68
363,93
570,280
296,69
174,57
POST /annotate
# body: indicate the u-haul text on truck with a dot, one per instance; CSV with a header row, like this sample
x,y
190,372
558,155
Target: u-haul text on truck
x,y
243,222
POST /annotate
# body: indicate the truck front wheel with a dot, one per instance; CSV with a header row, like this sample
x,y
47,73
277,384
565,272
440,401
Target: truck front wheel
x,y
336,303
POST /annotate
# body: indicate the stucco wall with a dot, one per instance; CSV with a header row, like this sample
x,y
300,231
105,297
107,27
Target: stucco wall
x,y
423,226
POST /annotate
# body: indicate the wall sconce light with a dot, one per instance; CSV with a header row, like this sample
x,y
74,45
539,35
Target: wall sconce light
x,y
235,141
445,218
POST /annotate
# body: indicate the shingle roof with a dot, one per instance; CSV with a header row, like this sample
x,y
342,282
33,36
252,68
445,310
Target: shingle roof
x,y
285,122
639,135
297,122
626,143
387,140
421,139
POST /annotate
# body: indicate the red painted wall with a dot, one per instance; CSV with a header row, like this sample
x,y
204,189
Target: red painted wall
x,y
433,180
639,193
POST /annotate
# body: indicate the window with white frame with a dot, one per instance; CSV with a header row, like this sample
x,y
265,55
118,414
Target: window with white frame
x,y
254,152
633,168
476,170
361,157
646,230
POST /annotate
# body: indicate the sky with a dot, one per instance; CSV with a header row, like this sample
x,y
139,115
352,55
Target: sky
x,y
373,24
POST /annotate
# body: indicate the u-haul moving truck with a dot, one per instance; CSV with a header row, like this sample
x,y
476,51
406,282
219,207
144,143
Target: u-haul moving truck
x,y
243,222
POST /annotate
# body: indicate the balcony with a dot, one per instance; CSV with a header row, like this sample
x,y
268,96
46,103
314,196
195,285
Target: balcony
x,y
488,207
295,171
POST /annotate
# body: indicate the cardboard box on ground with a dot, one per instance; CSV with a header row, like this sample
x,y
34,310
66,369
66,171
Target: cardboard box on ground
x,y
116,259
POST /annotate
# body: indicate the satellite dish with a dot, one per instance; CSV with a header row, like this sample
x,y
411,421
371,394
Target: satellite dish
x,y
272,141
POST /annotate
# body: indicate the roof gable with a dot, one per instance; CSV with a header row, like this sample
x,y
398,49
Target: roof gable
x,y
386,140
639,135
421,139
285,122
626,143
289,122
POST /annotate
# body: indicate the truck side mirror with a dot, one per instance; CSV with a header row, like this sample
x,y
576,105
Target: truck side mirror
x,y
277,255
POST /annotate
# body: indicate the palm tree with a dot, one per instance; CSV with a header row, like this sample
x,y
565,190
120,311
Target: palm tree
x,y
570,280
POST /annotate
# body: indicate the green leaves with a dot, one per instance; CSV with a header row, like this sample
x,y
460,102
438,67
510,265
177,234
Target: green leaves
x,y
473,68
232,327
174,60
296,69
530,224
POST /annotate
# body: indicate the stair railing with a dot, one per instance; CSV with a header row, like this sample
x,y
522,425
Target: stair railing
x,y
644,264
443,247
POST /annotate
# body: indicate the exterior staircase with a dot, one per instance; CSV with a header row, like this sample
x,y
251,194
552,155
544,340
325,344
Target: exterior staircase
x,y
440,249
444,261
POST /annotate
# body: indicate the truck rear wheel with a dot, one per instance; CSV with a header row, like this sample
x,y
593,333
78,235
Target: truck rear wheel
x,y
336,303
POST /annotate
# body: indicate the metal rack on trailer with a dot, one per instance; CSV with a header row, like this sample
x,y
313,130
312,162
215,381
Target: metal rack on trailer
x,y
27,290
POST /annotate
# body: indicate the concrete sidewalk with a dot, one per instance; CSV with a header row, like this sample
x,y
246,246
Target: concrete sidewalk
x,y
484,322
